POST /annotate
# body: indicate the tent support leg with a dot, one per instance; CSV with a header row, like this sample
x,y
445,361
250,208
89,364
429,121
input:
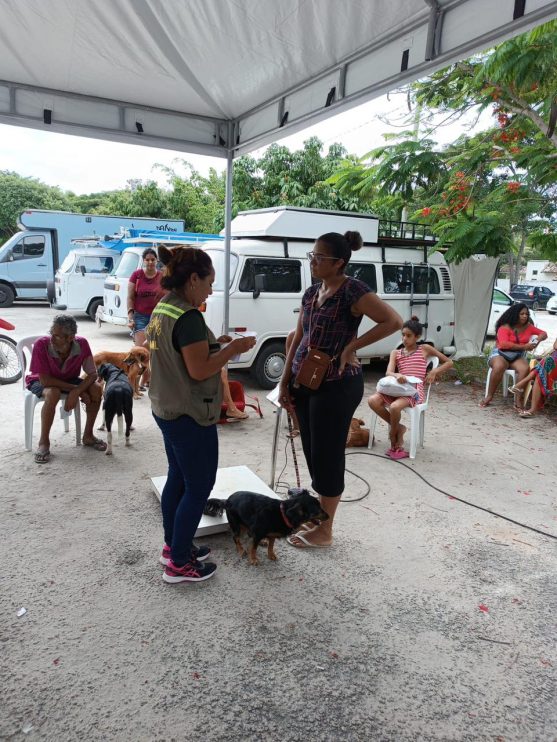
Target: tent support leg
x,y
227,229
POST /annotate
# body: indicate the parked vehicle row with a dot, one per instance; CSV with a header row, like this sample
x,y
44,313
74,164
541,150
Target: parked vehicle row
x,y
30,258
500,303
535,297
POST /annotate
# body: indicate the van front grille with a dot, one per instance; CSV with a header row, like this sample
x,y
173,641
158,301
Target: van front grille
x,y
446,276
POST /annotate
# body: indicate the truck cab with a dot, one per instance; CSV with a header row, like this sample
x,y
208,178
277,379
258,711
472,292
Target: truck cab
x,y
24,262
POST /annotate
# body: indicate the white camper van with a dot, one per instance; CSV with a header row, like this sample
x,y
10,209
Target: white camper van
x,y
269,273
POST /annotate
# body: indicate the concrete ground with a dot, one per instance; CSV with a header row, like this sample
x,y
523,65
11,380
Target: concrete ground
x,y
428,619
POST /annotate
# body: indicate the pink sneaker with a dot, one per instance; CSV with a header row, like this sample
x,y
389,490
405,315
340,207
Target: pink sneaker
x,y
193,571
199,552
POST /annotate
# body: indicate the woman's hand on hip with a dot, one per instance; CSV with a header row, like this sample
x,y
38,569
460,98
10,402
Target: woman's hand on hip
x,y
347,358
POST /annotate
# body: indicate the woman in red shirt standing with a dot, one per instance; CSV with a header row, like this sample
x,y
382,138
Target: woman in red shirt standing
x,y
144,293
516,334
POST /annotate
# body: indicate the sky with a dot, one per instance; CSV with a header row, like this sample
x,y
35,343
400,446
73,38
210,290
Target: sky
x,y
85,165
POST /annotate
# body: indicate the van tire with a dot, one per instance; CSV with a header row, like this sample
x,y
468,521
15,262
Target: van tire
x,y
92,309
7,295
535,306
269,365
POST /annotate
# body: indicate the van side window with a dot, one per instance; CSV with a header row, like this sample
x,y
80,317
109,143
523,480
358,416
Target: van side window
x,y
28,247
365,272
397,279
281,276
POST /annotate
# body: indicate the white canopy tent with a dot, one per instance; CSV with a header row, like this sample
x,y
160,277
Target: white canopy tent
x,y
223,77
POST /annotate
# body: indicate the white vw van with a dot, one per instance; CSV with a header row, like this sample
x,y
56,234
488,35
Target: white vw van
x,y
79,282
269,273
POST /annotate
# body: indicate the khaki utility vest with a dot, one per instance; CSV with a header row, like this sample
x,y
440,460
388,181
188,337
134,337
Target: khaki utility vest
x,y
172,391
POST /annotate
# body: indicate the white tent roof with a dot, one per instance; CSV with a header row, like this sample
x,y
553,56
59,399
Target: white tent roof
x,y
213,76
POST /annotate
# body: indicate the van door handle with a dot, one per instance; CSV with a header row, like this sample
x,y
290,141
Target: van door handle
x,y
296,311
41,265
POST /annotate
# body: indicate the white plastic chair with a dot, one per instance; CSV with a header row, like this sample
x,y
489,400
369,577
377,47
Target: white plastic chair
x,y
509,375
25,345
417,418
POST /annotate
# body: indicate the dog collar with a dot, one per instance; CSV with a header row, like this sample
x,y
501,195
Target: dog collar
x,y
285,519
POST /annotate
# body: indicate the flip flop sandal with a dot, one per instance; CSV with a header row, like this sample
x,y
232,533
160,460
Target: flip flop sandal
x,y
42,457
97,444
399,454
526,414
305,544
241,416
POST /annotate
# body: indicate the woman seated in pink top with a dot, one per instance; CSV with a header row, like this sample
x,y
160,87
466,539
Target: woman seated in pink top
x,y
516,335
410,360
56,364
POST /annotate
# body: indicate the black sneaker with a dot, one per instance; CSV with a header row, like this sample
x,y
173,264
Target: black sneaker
x,y
193,571
198,552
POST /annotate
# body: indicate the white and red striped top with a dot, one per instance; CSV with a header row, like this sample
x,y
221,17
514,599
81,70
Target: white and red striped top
x,y
413,364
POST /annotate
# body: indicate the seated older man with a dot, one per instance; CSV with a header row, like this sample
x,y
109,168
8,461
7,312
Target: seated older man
x,y
56,364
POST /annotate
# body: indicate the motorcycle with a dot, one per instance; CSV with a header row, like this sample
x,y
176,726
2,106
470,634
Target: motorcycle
x,y
10,368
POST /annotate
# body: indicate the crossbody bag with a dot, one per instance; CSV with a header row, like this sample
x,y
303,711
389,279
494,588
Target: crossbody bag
x,y
315,365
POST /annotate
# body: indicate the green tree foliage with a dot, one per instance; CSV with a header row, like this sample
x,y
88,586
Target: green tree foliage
x,y
491,192
18,193
279,176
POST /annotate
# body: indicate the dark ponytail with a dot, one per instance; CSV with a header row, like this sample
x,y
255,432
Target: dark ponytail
x,y
342,246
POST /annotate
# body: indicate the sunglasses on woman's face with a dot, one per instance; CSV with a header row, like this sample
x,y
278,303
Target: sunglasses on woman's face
x,y
319,256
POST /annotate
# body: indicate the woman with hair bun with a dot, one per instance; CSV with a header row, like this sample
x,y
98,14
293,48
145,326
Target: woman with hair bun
x,y
332,310
410,360
186,394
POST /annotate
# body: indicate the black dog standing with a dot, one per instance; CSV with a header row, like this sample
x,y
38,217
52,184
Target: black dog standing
x,y
265,517
118,400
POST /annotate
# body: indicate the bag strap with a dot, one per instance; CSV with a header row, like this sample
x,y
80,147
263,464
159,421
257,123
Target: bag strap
x,y
314,301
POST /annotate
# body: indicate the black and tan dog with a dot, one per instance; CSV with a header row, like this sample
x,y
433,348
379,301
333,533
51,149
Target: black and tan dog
x,y
133,363
263,517
118,400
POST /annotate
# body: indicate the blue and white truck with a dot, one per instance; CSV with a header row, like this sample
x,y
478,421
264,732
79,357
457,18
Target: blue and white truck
x,y
30,258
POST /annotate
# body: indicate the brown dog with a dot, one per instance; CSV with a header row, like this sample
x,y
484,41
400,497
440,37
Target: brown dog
x,y
133,363
357,435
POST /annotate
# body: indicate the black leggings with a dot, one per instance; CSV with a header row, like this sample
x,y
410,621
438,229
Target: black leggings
x,y
324,417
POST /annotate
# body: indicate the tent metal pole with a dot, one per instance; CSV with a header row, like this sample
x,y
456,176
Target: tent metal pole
x,y
227,229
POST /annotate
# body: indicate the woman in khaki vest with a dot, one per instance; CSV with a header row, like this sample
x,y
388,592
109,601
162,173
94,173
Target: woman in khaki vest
x,y
186,394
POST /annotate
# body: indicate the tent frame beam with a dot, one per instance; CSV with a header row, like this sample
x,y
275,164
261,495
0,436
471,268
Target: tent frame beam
x,y
434,38
213,133
426,55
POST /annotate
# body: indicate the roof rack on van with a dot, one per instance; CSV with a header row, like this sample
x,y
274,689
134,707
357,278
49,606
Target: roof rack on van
x,y
405,234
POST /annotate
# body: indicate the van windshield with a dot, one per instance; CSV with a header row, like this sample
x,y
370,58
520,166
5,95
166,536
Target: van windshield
x,y
67,263
129,263
217,258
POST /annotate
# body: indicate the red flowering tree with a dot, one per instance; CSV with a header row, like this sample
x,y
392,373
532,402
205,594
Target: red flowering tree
x,y
493,191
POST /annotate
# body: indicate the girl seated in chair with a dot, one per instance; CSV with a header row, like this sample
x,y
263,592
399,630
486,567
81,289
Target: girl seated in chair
x,y
410,360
